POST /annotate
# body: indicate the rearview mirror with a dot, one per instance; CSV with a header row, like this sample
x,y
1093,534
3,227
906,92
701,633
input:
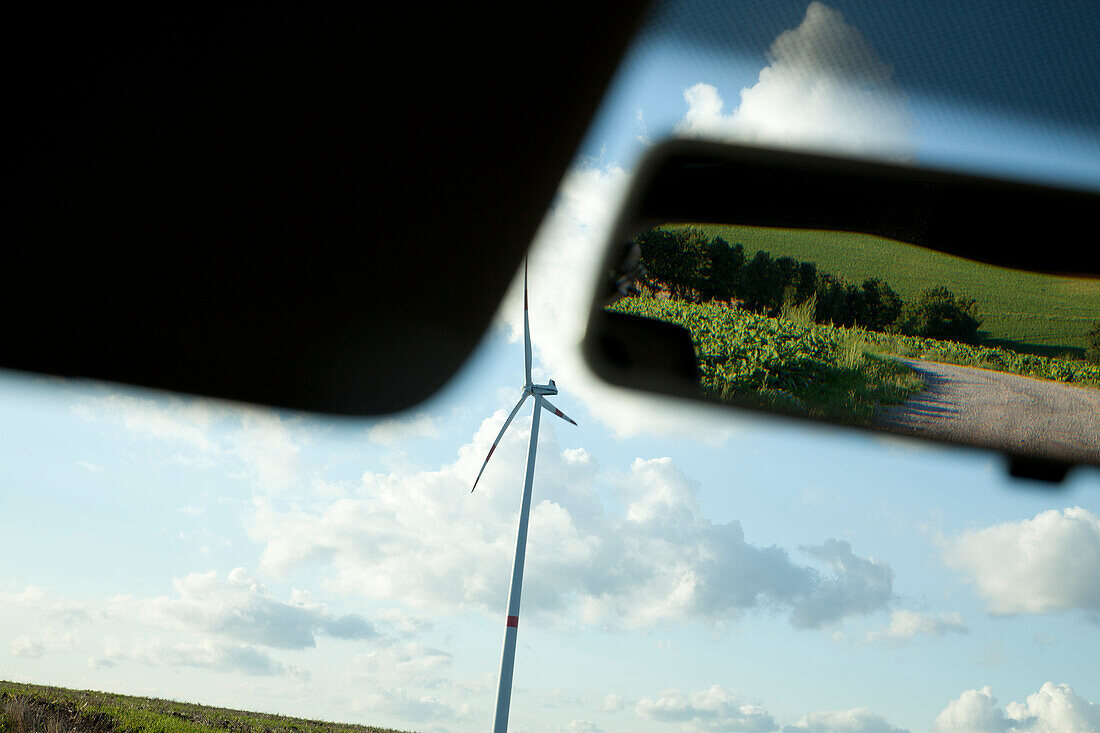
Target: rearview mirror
x,y
886,297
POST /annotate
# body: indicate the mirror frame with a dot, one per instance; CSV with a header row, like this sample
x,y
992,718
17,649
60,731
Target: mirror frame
x,y
717,183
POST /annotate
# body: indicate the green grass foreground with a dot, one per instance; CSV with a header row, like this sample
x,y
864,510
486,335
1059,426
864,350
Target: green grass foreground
x,y
37,709
1026,310
790,364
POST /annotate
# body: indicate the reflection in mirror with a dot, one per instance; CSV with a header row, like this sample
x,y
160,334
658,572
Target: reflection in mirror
x,y
864,330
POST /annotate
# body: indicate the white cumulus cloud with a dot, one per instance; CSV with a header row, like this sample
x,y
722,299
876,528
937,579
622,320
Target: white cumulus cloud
x,y
824,87
48,641
907,625
1055,707
239,608
400,704
398,429
204,654
1048,563
410,664
582,726
181,422
422,540
856,720
717,708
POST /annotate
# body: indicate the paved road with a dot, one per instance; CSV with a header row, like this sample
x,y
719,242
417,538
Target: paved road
x,y
968,404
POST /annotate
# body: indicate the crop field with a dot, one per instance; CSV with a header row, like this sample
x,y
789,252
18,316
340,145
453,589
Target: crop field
x,y
782,365
37,709
1032,312
790,364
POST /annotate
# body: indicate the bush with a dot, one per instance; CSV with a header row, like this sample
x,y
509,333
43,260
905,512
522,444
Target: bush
x,y
938,314
722,265
760,284
877,306
1092,352
689,264
674,259
834,300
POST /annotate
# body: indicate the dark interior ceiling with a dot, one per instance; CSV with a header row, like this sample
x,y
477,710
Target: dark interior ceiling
x,y
309,206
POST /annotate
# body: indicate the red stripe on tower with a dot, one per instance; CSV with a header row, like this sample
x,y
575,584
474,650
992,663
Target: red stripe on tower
x,y
513,621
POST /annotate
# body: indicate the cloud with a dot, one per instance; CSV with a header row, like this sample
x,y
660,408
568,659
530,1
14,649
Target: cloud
x,y
859,585
182,422
905,626
422,540
265,444
583,726
25,646
49,641
205,432
856,720
1052,708
717,708
68,612
29,596
396,430
411,664
1055,707
643,132
190,511
239,608
723,709
824,87
1040,565
991,654
205,654
400,704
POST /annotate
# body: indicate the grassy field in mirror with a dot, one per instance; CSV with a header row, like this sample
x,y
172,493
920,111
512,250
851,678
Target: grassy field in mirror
x,y
1022,311
827,324
28,708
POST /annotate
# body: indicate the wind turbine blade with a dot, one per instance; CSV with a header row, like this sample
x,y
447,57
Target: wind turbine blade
x,y
499,436
556,411
526,331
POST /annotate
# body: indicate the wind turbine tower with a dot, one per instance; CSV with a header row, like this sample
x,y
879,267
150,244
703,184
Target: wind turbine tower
x,y
511,629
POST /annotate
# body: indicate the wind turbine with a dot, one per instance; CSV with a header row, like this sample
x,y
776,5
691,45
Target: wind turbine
x,y
511,629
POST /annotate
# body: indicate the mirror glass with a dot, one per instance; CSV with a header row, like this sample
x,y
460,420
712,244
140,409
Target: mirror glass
x,y
865,330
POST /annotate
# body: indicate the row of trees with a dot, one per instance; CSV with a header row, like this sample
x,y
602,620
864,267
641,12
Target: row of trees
x,y
698,268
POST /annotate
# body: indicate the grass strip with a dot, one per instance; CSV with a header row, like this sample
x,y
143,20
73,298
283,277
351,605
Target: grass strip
x,y
28,708
1056,369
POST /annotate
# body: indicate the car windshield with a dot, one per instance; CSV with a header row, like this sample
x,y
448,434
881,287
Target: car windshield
x,y
688,567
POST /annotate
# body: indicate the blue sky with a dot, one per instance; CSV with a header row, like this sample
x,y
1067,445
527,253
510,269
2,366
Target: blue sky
x,y
689,568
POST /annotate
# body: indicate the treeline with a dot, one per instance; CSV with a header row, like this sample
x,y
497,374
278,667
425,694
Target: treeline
x,y
694,267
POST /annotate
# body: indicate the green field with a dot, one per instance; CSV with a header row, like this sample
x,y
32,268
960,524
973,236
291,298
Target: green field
x,y
37,709
791,364
1031,312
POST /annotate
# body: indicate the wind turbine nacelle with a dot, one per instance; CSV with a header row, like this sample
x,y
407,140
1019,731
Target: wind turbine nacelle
x,y
544,389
